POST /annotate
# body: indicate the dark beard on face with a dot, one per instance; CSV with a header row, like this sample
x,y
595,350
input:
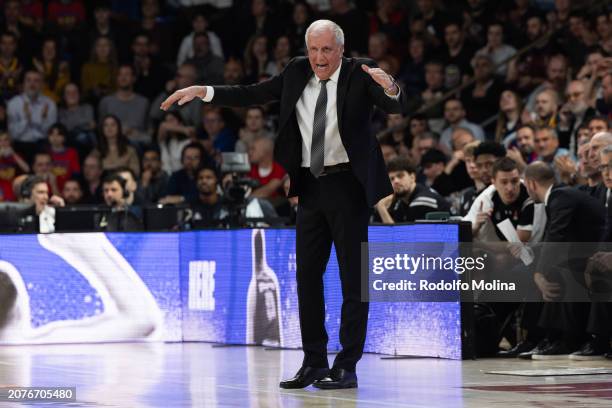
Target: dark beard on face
x,y
526,150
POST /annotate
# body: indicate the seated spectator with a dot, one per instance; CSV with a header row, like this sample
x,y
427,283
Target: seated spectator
x,y
482,97
172,137
77,117
210,67
556,79
72,193
469,194
546,109
199,24
546,143
410,201
92,177
11,165
454,114
509,117
388,151
30,115
598,124
128,106
233,72
153,180
64,160
604,104
42,213
55,72
281,56
208,207
506,198
66,12
10,66
457,52
256,57
528,70
114,149
254,127
434,78
182,186
485,156
433,164
132,190
573,114
42,167
217,137
150,74
496,49
422,144
264,169
158,29
15,22
186,75
524,151
412,71
123,216
98,75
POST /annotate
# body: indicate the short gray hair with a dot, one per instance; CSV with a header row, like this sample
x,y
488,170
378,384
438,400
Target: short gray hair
x,y
321,25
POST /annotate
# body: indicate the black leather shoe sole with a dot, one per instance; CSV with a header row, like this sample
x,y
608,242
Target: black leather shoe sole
x,y
333,385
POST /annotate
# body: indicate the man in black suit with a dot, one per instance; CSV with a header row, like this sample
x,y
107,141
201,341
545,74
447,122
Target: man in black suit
x,y
572,217
337,171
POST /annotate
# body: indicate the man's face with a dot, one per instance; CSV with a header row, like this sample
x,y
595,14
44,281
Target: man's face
x,y
125,78
113,194
596,126
92,169
140,46
434,76
40,195
545,104
201,46
508,185
376,47
257,151
460,138
472,168
32,83
417,127
232,74
595,146
452,35
484,164
388,152
433,170
495,36
556,71
605,167
324,53
8,46
207,182
403,182
185,76
531,186
525,140
254,120
151,162
482,69
42,164
56,138
213,123
72,192
576,97
545,143
584,165
191,159
534,28
453,112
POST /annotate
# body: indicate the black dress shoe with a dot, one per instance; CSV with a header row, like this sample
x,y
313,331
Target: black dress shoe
x,y
527,355
555,351
591,350
519,348
338,378
304,377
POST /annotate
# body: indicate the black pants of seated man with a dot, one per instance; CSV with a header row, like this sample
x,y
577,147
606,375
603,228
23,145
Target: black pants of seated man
x,y
332,209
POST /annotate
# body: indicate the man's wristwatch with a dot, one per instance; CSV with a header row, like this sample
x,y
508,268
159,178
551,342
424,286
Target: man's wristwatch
x,y
392,87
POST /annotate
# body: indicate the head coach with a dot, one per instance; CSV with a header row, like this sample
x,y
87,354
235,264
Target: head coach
x,y
337,171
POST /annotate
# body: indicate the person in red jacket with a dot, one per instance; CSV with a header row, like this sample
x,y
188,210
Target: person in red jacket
x,y
65,160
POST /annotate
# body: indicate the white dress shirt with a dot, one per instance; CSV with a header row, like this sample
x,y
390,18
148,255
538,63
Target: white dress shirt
x,y
335,153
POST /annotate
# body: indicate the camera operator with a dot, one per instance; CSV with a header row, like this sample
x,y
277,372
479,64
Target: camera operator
x,y
242,206
41,216
122,216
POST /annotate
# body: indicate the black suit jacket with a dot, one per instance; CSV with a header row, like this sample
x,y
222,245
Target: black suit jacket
x,y
357,94
573,216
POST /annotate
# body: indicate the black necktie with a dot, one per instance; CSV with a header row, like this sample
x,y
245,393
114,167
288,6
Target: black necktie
x,y
317,147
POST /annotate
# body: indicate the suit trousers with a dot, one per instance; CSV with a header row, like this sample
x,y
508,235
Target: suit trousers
x,y
332,209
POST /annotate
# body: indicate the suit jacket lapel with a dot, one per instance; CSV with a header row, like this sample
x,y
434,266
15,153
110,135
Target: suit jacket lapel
x,y
298,85
341,90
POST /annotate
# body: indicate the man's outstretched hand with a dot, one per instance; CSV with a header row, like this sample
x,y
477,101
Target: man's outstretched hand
x,y
380,77
182,96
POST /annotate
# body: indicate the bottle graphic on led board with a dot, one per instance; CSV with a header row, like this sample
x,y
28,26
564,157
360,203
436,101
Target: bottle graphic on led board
x,y
263,298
